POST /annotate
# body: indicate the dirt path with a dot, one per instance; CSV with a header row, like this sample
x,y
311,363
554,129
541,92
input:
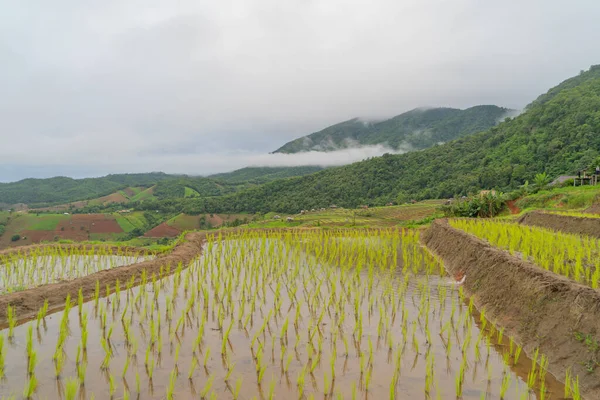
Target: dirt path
x,y
563,223
538,308
28,302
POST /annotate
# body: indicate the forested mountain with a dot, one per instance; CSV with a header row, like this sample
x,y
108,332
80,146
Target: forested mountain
x,y
63,190
263,174
558,133
413,130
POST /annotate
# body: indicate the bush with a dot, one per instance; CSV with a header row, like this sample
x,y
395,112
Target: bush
x,y
489,205
15,237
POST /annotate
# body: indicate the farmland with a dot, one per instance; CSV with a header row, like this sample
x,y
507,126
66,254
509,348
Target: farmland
x,y
340,217
357,313
33,228
335,303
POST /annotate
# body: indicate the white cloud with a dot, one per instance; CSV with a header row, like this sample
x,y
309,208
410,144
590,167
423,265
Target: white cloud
x,y
130,81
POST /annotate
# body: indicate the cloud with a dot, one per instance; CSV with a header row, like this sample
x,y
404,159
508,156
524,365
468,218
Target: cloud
x,y
191,163
134,80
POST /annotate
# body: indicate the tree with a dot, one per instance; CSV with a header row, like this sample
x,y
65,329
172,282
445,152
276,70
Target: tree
x,y
15,237
541,180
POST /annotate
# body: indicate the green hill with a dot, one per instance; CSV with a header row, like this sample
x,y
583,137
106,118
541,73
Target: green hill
x,y
65,190
263,174
193,187
413,130
558,133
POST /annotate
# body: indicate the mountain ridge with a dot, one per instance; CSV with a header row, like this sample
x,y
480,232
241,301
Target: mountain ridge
x,y
416,129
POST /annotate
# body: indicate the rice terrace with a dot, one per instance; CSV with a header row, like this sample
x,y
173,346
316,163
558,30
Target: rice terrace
x,y
306,311
300,200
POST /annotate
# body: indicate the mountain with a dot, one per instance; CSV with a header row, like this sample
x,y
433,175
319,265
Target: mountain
x,y
64,190
259,175
558,133
414,130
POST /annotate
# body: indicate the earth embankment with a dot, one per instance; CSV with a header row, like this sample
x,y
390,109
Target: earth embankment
x,y
538,308
563,223
28,302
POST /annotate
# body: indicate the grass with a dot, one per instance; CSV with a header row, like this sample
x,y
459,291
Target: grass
x,y
565,198
46,222
189,192
130,221
146,194
184,222
4,216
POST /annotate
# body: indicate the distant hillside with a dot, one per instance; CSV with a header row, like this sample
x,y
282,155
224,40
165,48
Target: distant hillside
x,y
192,187
413,130
263,174
65,190
558,134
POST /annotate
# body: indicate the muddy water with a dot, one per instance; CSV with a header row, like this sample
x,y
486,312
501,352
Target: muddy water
x,y
28,272
362,331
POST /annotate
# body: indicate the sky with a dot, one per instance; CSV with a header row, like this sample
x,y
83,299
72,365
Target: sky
x,y
89,88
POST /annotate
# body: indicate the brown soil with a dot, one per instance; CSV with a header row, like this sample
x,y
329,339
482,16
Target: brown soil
x,y
77,228
563,223
129,192
28,302
112,198
513,207
535,306
163,230
594,209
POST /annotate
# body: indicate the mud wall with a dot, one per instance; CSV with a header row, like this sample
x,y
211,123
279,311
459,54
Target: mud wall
x,y
28,302
563,223
535,306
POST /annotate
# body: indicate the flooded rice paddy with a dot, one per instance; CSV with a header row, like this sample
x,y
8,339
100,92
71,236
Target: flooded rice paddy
x,y
53,264
305,314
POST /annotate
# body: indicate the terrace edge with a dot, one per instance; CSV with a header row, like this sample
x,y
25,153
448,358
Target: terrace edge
x,y
537,307
28,302
562,223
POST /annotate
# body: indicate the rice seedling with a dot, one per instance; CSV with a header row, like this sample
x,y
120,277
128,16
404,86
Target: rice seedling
x,y
50,264
573,256
291,303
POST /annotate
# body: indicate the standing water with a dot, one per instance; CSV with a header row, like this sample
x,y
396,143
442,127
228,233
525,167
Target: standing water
x,y
302,314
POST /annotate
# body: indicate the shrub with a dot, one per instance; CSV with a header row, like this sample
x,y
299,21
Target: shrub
x,y
485,206
15,237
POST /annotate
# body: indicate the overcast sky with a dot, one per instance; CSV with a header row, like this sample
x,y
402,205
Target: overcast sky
x,y
95,87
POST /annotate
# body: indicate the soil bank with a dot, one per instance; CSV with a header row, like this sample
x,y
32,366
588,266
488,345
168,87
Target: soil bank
x,y
563,223
537,307
27,303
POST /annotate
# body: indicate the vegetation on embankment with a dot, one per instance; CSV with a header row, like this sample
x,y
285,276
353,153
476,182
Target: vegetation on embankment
x,y
567,197
540,309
